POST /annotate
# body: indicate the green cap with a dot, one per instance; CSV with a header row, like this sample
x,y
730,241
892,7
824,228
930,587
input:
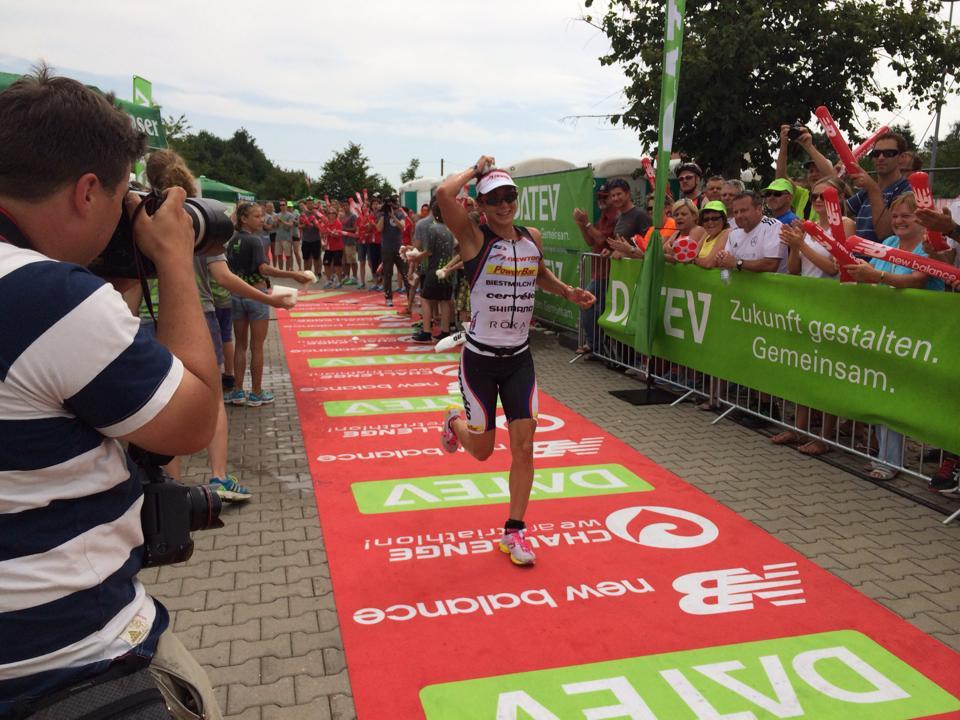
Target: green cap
x,y
780,185
716,206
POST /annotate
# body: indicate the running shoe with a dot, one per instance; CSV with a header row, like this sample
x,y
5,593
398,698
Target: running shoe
x,y
338,285
349,281
263,398
229,489
235,397
375,288
448,439
360,286
422,337
947,478
516,545
388,302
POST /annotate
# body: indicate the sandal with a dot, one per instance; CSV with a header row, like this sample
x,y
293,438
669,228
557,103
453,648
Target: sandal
x,y
584,350
787,437
882,472
814,448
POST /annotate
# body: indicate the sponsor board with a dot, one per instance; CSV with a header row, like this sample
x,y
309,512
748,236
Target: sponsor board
x,y
827,675
452,491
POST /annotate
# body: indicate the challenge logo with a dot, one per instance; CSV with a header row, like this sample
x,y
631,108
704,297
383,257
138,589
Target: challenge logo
x,y
734,589
660,534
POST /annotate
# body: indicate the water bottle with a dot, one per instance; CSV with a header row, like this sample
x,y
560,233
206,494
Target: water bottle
x,y
725,276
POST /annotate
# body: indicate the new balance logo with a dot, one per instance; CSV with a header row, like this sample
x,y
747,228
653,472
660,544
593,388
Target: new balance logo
x,y
559,448
735,589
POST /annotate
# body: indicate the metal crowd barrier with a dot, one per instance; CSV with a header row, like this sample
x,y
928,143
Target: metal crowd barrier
x,y
914,457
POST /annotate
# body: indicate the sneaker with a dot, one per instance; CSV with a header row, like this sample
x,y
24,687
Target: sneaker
x,y
375,288
349,281
388,302
328,284
448,439
229,489
947,478
422,337
516,545
235,397
338,285
360,286
264,398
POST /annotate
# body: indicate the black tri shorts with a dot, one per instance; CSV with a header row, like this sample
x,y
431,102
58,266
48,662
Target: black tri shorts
x,y
483,378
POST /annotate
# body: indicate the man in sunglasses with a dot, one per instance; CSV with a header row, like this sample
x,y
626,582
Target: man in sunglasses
x,y
778,197
689,175
870,205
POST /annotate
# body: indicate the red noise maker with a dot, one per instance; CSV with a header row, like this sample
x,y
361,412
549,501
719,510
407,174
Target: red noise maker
x,y
920,182
365,201
831,200
648,171
837,250
836,139
863,148
903,258
359,199
326,201
684,250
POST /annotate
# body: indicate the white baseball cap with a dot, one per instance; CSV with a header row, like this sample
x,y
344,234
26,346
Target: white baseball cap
x,y
494,179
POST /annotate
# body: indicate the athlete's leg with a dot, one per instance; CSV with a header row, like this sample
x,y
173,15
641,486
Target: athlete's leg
x,y
477,445
521,465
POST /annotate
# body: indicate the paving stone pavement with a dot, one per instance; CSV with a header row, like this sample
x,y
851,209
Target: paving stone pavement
x,y
255,604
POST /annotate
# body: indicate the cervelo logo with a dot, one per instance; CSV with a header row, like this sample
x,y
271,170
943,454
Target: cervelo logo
x,y
695,318
734,589
660,534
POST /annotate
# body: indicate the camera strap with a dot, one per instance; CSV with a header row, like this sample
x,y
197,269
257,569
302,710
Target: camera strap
x,y
11,233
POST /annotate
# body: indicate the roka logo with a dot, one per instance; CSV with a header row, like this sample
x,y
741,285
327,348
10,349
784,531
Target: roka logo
x,y
661,534
734,589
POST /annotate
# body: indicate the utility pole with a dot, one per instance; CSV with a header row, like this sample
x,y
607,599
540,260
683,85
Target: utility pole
x,y
441,159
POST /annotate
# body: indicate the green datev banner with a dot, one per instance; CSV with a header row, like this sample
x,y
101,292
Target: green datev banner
x,y
547,202
864,352
841,674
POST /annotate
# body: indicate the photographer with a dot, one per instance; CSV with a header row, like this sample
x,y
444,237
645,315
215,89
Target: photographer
x,y
78,378
390,222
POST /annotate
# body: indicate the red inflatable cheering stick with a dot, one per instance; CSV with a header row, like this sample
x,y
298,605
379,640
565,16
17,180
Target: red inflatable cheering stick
x,y
863,148
836,139
831,200
909,260
837,250
920,182
651,177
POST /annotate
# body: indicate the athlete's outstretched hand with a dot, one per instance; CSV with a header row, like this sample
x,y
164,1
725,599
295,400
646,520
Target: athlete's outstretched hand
x,y
579,296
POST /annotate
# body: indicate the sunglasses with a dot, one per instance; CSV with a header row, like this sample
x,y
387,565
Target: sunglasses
x,y
712,218
889,153
495,198
775,193
684,178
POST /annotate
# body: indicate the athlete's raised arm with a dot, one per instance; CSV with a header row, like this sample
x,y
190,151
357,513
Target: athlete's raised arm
x,y
455,215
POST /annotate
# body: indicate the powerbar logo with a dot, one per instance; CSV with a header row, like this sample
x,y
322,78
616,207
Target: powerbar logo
x,y
832,675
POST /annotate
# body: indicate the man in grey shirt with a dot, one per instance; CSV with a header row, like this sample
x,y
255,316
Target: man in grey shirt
x,y
631,220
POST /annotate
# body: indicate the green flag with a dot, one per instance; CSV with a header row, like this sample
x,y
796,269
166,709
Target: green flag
x,y
142,97
651,277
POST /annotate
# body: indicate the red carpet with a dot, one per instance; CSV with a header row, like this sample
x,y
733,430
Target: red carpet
x,y
649,599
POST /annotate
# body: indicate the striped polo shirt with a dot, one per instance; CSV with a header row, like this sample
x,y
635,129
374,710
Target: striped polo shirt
x,y
75,373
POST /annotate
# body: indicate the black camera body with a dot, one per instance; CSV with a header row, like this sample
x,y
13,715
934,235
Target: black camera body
x,y
171,511
795,131
122,258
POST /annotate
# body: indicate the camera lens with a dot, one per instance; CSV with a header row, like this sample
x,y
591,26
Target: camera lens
x,y
204,507
211,223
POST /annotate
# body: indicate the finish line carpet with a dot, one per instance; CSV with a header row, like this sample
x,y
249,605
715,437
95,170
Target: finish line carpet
x,y
649,600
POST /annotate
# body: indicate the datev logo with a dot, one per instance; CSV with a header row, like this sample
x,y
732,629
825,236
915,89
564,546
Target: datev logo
x,y
661,534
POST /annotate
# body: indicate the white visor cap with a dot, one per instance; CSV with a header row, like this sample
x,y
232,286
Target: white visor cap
x,y
494,179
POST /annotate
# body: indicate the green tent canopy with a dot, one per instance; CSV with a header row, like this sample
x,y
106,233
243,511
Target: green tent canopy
x,y
223,192
145,119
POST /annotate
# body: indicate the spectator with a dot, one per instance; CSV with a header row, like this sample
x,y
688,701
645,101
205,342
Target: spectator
x,y
333,248
269,230
391,222
348,222
297,263
666,230
778,197
754,245
731,188
910,163
816,167
686,216
871,204
631,221
713,220
79,378
690,177
375,247
437,250
596,236
310,224
364,232
285,222
908,235
810,259
714,188
247,259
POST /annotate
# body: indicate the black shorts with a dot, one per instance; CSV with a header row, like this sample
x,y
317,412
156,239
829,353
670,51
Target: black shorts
x,y
483,378
361,253
436,289
333,257
310,251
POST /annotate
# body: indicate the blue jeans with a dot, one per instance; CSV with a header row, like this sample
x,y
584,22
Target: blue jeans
x,y
590,315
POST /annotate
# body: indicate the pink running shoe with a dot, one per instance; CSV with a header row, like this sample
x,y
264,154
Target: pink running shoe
x,y
448,440
516,545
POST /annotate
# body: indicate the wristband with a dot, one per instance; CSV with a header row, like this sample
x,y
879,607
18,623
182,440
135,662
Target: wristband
x,y
883,274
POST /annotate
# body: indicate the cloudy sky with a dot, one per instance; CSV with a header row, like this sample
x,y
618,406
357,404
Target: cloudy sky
x,y
423,79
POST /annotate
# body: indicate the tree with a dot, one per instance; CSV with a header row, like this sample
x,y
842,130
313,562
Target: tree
x,y
946,183
347,172
411,172
751,65
175,128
